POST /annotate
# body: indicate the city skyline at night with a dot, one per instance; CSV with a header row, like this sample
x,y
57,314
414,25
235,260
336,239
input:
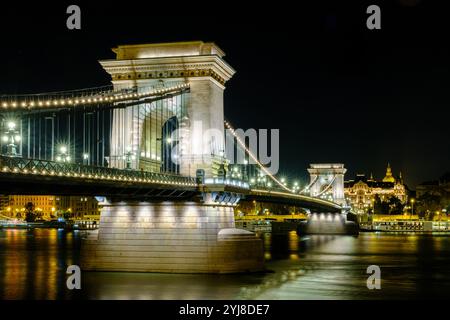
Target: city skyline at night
x,y
227,161
322,67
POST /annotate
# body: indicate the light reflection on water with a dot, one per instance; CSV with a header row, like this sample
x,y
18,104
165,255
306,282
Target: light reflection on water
x,y
33,265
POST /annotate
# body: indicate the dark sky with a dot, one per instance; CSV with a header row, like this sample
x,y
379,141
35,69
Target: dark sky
x,y
337,91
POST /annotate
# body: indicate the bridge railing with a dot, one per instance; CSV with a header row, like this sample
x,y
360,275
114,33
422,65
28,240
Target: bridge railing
x,y
45,167
228,182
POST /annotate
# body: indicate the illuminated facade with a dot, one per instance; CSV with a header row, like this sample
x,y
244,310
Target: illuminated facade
x,y
49,205
14,205
360,193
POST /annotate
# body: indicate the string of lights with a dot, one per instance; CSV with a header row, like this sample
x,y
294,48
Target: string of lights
x,y
254,158
37,101
308,186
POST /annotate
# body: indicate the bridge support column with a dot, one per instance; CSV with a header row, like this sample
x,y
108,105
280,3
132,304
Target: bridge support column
x,y
173,237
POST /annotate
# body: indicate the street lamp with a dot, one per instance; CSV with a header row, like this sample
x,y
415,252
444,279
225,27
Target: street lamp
x,y
63,155
129,156
11,138
444,212
86,158
412,208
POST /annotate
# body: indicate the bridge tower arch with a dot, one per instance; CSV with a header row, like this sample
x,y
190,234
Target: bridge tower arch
x,y
327,177
199,64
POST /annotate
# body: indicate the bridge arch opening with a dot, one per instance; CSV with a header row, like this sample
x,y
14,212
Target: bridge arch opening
x,y
168,146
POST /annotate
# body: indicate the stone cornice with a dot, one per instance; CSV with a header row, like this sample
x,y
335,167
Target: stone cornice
x,y
169,67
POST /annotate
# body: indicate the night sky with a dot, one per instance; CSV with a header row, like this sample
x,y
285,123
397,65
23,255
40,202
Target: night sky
x,y
337,91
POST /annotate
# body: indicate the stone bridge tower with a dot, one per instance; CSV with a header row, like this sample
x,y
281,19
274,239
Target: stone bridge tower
x,y
197,63
328,175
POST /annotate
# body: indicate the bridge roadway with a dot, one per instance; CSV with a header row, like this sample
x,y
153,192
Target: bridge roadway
x,y
29,176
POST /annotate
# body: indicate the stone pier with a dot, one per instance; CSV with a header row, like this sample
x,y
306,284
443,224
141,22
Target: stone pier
x,y
172,237
329,223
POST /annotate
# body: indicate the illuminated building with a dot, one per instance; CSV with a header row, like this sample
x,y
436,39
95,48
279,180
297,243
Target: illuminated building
x,y
360,193
14,205
83,206
49,205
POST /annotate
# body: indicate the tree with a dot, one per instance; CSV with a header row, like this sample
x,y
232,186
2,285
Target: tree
x,y
377,204
428,203
30,215
395,205
380,207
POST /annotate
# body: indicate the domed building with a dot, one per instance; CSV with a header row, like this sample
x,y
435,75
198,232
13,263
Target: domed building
x,y
389,177
360,192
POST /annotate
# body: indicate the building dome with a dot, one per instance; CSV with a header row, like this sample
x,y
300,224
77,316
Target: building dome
x,y
389,177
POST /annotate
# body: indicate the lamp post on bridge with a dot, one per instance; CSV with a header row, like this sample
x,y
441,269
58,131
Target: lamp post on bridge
x,y
86,159
12,138
129,156
63,155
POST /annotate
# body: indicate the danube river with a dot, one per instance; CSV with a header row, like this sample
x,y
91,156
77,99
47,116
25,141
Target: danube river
x,y
33,265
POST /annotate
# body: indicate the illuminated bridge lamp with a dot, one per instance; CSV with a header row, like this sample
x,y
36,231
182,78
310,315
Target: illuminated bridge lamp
x,y
11,138
86,158
63,156
11,125
129,156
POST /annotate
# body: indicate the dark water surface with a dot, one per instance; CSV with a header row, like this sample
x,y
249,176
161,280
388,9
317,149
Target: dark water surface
x,y
33,265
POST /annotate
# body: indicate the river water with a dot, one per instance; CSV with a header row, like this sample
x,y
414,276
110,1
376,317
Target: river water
x,y
33,265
